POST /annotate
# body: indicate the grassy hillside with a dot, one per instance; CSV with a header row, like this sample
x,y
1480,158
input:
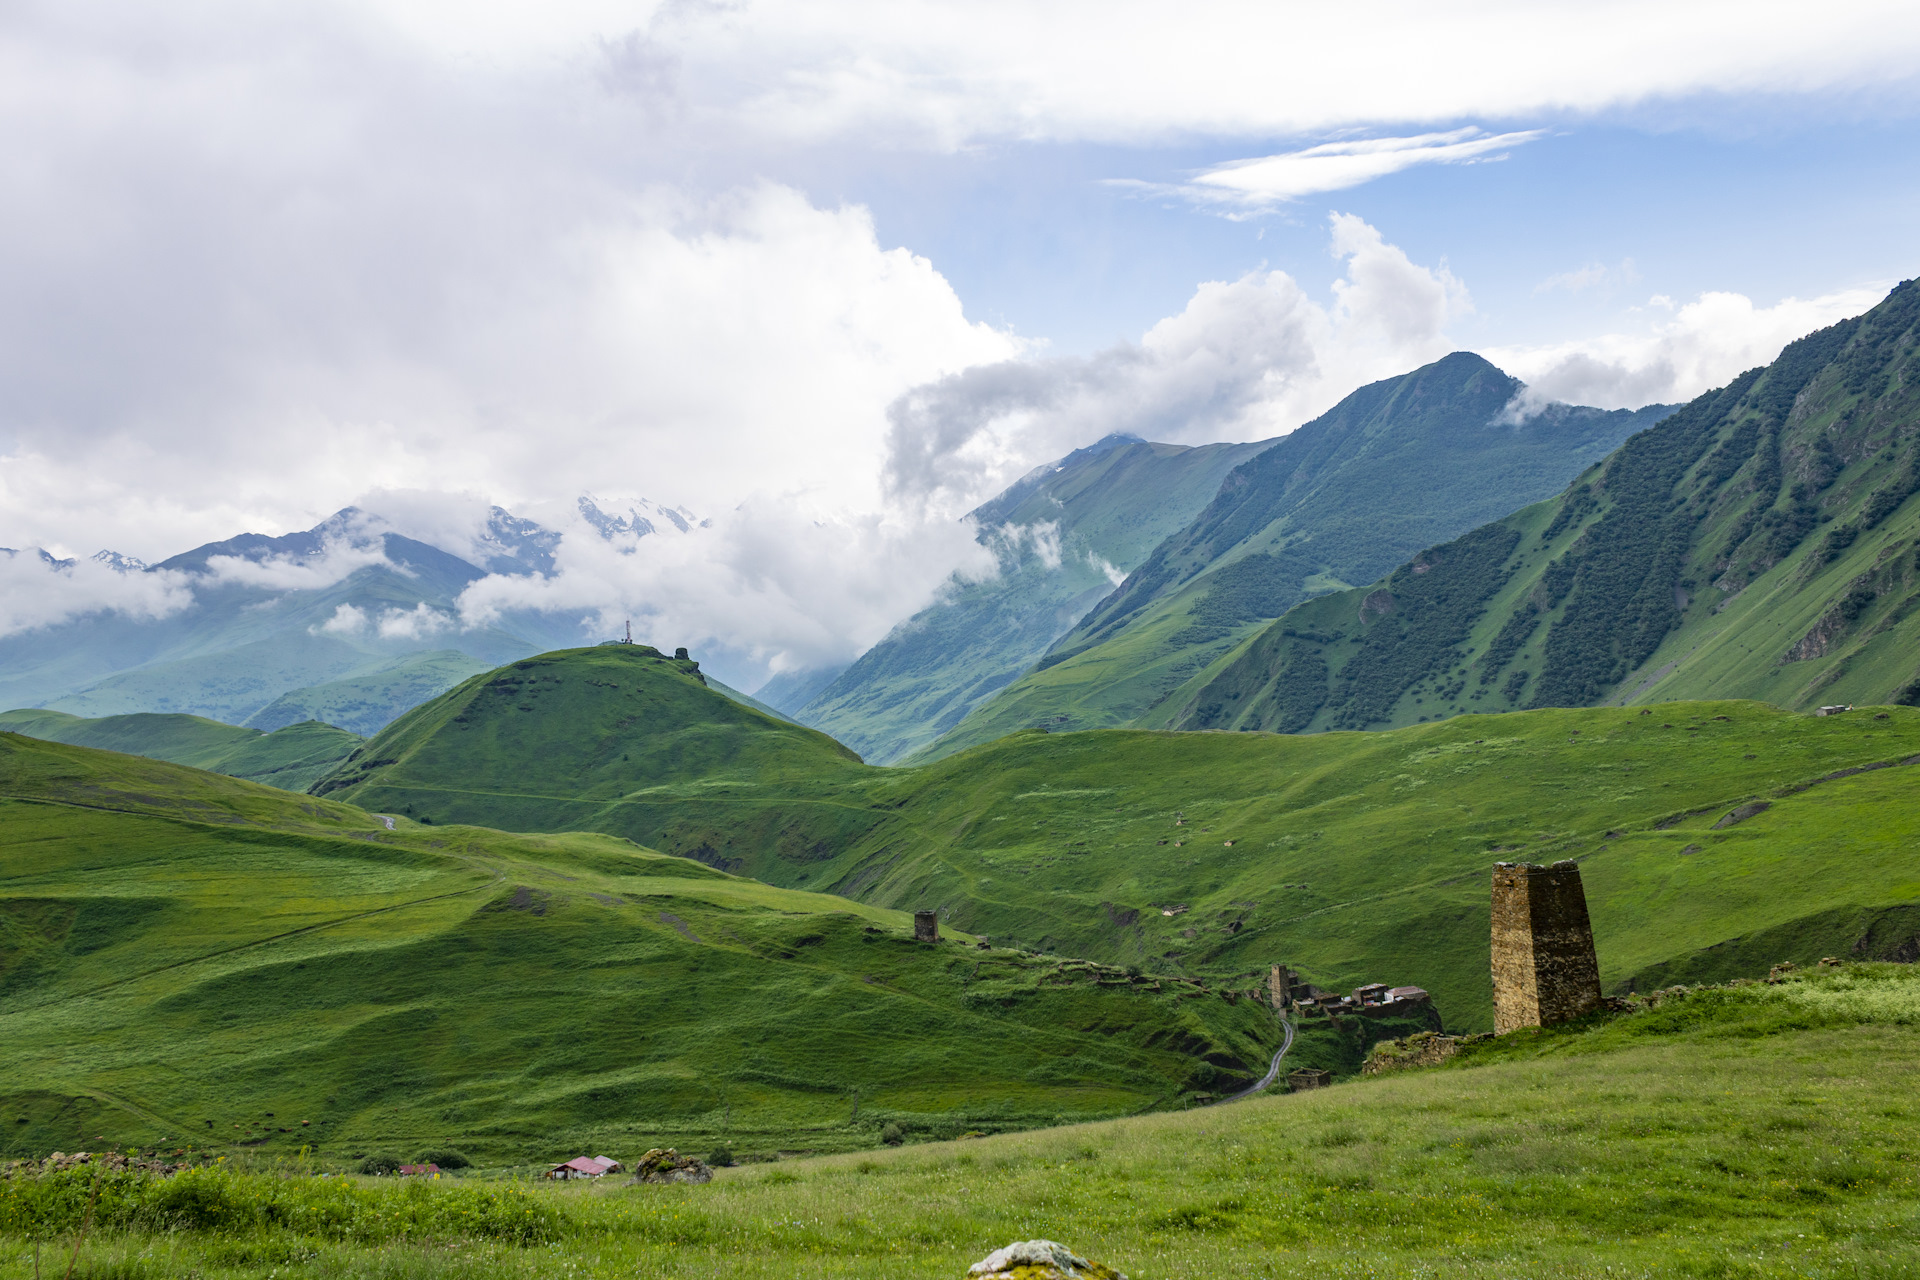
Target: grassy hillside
x,y
1763,542
294,757
186,957
1061,535
1354,856
1762,1131
369,700
1394,467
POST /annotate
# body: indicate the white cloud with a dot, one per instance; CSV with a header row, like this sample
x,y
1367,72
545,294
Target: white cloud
x,y
1247,358
1250,185
338,560
417,623
1705,345
1594,275
943,73
37,592
776,584
347,620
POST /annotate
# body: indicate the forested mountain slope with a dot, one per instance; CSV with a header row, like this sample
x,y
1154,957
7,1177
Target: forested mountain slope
x,y
1763,542
1396,466
1354,857
1062,535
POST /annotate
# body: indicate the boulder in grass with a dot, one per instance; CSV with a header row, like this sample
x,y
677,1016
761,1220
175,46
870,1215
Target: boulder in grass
x,y
1040,1260
664,1164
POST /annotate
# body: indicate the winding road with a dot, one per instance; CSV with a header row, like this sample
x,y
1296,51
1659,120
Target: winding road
x,y
1273,1072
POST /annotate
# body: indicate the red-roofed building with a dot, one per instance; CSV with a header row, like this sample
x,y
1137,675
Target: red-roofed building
x,y
586,1167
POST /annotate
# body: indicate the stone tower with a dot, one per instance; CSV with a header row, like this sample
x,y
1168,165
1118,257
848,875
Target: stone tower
x,y
1544,970
926,926
1279,986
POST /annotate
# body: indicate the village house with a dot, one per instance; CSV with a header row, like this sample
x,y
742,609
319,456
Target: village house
x,y
585,1167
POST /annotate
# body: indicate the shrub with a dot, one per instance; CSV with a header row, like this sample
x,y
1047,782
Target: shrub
x,y
378,1166
721,1158
446,1159
893,1135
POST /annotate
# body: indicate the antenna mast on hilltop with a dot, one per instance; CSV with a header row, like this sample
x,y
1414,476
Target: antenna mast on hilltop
x,y
629,636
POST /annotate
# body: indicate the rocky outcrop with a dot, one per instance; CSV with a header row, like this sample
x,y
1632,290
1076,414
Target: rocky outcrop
x,y
109,1161
1040,1260
664,1164
1422,1049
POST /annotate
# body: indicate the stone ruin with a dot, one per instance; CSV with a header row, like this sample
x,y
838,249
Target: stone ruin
x,y
1544,969
1280,982
926,926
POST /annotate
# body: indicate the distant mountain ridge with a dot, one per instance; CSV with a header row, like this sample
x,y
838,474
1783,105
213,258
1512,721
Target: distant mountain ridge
x,y
350,622
1762,542
1062,534
1395,466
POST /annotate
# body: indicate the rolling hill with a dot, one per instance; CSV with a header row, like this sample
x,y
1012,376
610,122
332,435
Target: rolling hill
x,y
1394,467
1762,542
293,757
1354,857
190,958
1061,535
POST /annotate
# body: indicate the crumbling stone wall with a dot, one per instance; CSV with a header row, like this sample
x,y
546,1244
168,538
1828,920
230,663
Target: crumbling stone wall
x,y
1544,969
926,926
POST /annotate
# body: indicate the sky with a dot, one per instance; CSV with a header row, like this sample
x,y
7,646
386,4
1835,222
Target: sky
x,y
830,274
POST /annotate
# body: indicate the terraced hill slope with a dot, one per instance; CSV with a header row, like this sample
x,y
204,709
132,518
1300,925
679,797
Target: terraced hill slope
x,y
186,957
1394,467
1354,856
1062,535
1763,542
293,757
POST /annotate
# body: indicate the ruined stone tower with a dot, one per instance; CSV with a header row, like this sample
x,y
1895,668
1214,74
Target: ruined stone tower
x,y
1544,969
1279,986
926,926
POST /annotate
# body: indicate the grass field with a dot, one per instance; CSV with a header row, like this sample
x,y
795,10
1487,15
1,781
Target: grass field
x,y
1757,1131
186,957
292,757
1355,857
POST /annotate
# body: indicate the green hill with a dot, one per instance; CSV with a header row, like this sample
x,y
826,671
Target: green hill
x,y
1355,857
1758,1130
1061,535
369,700
1763,542
293,757
1396,466
189,957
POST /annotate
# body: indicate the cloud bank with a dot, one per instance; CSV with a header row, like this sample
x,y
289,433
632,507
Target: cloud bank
x,y
1245,359
1700,345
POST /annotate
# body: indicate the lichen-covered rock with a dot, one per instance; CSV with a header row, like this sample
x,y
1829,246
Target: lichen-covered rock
x,y
664,1164
1040,1260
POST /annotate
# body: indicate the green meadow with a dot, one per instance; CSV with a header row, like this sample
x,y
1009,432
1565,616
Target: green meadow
x,y
187,958
1355,857
1749,1131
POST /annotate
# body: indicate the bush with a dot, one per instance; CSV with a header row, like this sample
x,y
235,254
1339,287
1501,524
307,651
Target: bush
x,y
446,1159
378,1166
721,1158
214,1202
893,1135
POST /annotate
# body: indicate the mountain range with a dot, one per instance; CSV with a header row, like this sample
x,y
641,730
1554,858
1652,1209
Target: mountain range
x,y
347,622
1762,542
1127,568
